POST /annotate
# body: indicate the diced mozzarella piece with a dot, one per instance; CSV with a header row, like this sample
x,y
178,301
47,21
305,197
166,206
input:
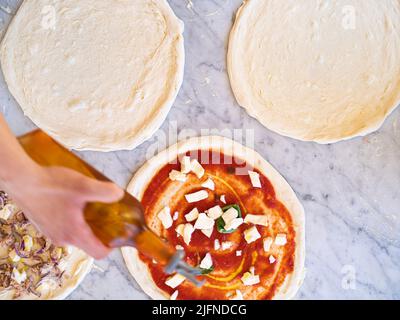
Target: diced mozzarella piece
x,y
192,215
174,295
217,244
165,217
14,256
206,263
251,235
252,270
175,280
271,259
17,276
176,216
255,179
68,250
250,279
267,242
179,229
196,196
187,233
186,166
233,224
208,232
223,199
6,212
261,220
229,215
154,261
197,169
215,212
204,222
226,245
28,242
209,184
280,239
238,295
238,253
175,175
179,247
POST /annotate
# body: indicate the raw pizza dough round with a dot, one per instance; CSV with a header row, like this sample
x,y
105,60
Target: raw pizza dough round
x,y
317,70
95,74
284,194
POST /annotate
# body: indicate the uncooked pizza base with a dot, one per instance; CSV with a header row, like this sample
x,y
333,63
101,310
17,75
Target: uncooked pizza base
x,y
284,194
97,74
314,70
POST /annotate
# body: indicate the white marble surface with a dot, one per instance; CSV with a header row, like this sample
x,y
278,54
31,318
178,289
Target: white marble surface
x,y
350,190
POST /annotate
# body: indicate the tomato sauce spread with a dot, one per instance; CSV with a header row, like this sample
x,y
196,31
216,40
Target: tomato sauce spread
x,y
239,257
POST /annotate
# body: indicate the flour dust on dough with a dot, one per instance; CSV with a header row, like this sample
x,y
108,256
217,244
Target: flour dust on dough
x,y
317,70
95,74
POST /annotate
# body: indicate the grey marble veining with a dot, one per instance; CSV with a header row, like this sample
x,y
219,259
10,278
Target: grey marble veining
x,y
350,190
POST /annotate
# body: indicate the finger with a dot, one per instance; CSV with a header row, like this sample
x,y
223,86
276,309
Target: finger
x,y
99,191
88,242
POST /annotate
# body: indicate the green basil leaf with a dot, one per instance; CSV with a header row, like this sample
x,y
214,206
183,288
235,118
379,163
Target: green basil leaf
x,y
221,222
207,271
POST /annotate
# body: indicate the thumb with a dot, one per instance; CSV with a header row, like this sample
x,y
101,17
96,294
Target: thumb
x,y
99,191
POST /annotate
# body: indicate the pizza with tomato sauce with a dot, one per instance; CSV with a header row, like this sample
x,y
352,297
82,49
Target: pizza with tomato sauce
x,y
233,215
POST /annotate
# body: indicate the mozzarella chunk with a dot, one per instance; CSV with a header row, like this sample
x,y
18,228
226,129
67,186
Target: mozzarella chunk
x,y
280,239
226,245
209,184
238,253
28,242
175,175
251,235
17,276
233,224
208,232
252,270
14,256
250,279
204,222
197,169
165,217
179,247
271,259
267,242
223,199
176,216
217,244
215,212
179,229
192,215
175,280
186,166
255,179
238,295
261,220
196,196
6,212
206,263
68,250
229,215
174,295
187,233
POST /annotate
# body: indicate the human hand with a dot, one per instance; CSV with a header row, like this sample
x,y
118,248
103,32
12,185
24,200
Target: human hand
x,y
54,198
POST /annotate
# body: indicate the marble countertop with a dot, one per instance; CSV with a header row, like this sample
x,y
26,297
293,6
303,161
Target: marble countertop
x,y
350,190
